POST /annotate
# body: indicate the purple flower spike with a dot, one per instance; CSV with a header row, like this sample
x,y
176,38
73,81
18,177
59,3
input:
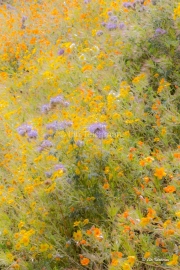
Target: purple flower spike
x,y
58,125
23,129
87,1
97,126
121,25
40,149
56,100
99,129
110,13
46,144
128,5
48,174
58,167
24,18
101,134
64,125
10,7
45,108
61,52
160,31
21,132
111,26
32,134
103,24
114,19
66,104
99,33
52,126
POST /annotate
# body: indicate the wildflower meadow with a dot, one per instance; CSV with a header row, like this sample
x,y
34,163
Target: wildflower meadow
x,y
89,134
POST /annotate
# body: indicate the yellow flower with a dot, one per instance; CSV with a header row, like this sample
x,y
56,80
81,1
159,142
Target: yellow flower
x,y
114,262
76,223
160,173
178,214
5,232
163,131
166,223
86,221
18,246
144,221
10,256
21,224
178,225
176,12
147,254
138,78
124,92
131,260
33,248
25,240
174,260
149,159
44,247
77,235
126,266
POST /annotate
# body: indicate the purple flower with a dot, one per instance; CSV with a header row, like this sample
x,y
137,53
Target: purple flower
x,y
40,149
66,104
58,167
61,52
53,102
23,129
101,134
10,7
99,129
56,100
127,4
45,108
110,13
52,126
87,1
114,19
99,33
160,31
103,24
24,18
97,126
121,25
48,174
58,125
64,125
111,26
21,132
46,144
32,134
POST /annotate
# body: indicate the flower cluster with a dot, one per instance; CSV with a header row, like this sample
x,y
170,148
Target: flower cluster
x,y
27,129
90,148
